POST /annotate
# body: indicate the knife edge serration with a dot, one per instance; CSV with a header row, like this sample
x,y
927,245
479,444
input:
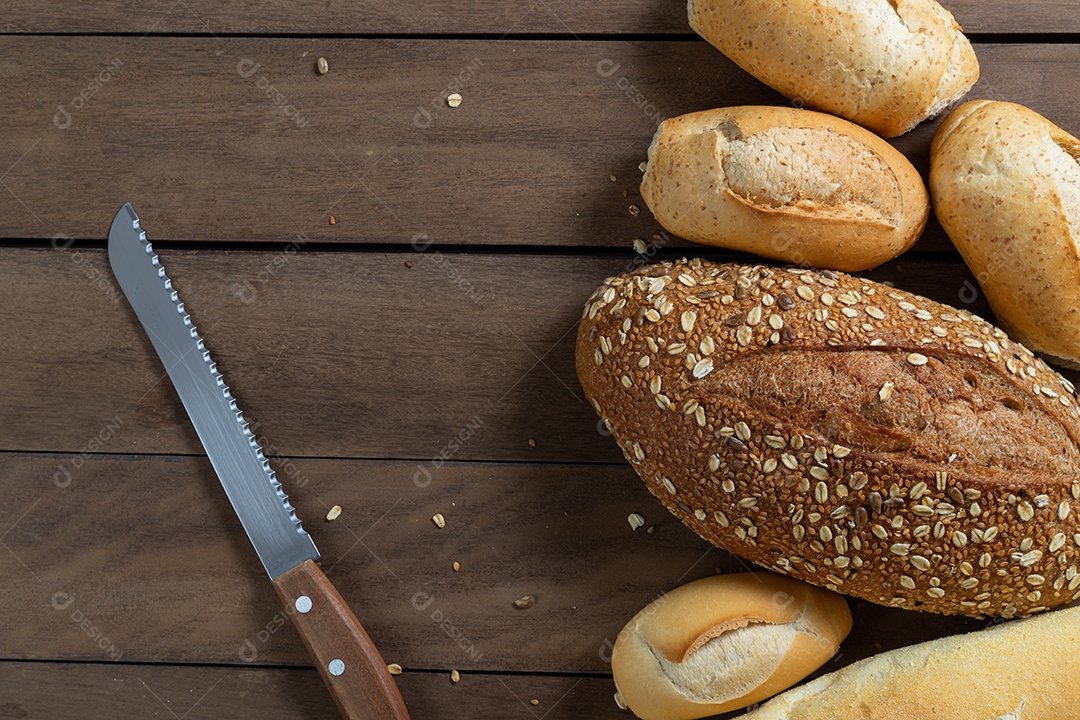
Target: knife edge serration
x,y
271,475
265,511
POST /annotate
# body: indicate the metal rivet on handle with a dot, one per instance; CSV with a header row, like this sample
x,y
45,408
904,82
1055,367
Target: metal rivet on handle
x,y
336,667
303,604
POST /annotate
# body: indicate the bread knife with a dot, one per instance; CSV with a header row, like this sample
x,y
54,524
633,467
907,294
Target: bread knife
x,y
350,664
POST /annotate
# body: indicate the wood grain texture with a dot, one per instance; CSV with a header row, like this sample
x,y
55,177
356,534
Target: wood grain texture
x,y
47,691
140,559
370,17
352,355
239,139
350,664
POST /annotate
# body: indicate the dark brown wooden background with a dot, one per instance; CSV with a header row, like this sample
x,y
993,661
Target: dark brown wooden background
x,y
414,357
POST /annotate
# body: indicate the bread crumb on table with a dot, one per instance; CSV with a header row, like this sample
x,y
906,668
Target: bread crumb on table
x,y
524,603
394,669
334,513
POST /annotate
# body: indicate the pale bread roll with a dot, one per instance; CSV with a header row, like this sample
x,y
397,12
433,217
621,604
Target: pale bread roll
x,y
885,64
1006,188
793,185
725,642
1022,670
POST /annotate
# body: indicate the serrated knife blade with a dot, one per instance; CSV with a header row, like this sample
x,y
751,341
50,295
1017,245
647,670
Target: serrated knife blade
x,y
346,658
256,495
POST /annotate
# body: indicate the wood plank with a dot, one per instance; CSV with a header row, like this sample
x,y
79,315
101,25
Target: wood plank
x,y
185,129
474,16
332,354
140,559
53,690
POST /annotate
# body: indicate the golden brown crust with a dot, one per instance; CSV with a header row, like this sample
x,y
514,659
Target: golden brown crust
x,y
885,64
1006,189
1022,670
789,629
793,185
843,432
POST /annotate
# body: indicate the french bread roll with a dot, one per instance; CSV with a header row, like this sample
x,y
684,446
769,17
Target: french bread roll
x,y
885,64
1021,670
1006,185
843,432
724,642
793,185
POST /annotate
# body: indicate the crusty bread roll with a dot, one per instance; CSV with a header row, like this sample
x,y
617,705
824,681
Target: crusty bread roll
x,y
843,432
1006,184
885,64
793,185
724,642
1021,670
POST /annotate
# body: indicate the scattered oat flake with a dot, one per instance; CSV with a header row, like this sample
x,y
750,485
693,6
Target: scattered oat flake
x,y
439,520
323,66
636,520
634,210
335,513
455,676
620,702
333,220
394,668
612,178
457,566
534,701
886,391
408,265
640,247
524,603
454,99
532,442
643,165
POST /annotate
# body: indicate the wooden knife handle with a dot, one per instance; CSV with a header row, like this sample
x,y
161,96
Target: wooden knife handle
x,y
351,666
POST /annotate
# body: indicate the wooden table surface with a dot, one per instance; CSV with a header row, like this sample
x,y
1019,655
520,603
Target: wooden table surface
x,y
391,286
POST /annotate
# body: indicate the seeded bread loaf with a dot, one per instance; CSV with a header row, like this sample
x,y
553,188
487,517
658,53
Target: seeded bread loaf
x,y
843,432
885,64
1022,670
793,185
1006,185
724,642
